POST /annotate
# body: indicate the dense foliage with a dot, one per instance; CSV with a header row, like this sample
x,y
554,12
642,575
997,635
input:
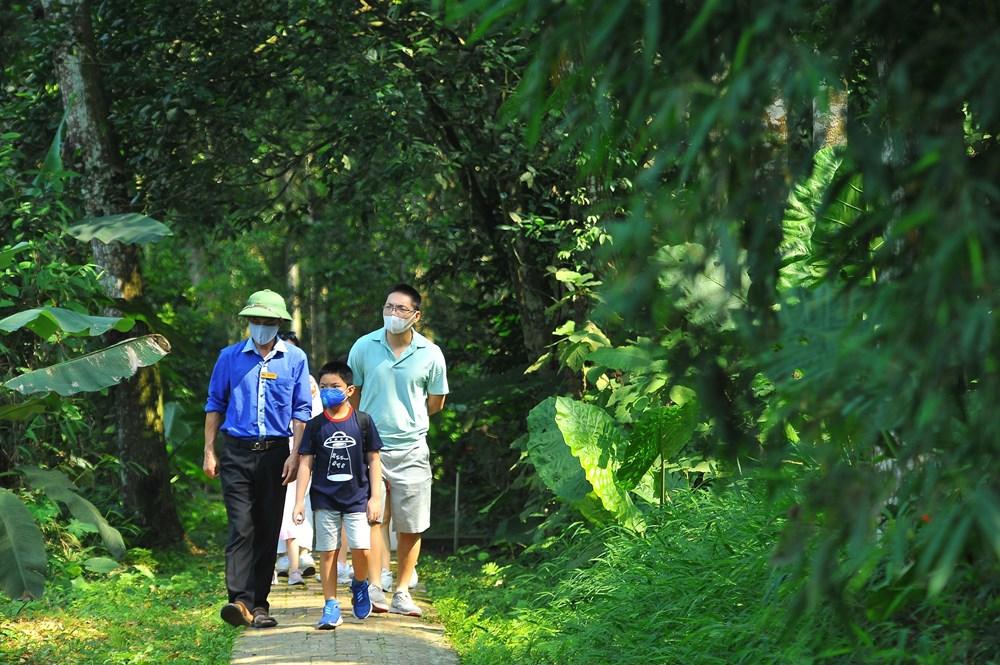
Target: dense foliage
x,y
672,251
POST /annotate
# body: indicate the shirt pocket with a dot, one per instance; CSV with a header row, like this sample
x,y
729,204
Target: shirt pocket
x,y
280,393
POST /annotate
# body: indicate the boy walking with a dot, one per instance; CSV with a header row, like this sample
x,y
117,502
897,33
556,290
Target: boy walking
x,y
340,452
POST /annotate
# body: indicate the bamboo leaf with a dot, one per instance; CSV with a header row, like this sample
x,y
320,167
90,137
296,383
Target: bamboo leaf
x,y
96,370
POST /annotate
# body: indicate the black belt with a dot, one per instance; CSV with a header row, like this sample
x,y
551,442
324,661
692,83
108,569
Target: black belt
x,y
257,444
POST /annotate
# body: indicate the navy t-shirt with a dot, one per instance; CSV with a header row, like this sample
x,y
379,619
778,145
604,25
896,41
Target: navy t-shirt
x,y
340,470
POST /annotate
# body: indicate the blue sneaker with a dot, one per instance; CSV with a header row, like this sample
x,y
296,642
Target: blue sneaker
x,y
360,599
331,616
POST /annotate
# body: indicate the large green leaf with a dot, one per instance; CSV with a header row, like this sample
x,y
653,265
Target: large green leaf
x,y
22,551
52,168
810,220
7,255
96,370
130,228
60,488
27,409
659,432
557,467
46,321
621,357
176,430
594,439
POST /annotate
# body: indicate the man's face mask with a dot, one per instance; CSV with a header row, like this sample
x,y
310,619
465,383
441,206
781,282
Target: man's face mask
x,y
397,325
261,333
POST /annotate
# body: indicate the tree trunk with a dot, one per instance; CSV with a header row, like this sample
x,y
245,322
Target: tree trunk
x,y
137,403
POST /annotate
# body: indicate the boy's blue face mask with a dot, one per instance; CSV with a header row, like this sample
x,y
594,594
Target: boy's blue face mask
x,y
332,397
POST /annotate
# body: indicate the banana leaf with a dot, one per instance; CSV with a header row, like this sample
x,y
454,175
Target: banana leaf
x,y
96,370
46,321
22,551
130,228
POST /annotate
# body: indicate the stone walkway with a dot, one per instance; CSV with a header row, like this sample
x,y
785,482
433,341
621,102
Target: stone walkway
x,y
381,638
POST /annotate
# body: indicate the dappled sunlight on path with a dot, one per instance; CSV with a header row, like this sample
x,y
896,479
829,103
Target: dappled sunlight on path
x,y
381,638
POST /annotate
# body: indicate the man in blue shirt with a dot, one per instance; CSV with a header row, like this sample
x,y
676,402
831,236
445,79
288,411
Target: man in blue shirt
x,y
258,396
401,380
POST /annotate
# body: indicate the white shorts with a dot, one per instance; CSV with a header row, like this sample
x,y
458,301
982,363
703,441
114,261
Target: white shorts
x,y
328,523
408,472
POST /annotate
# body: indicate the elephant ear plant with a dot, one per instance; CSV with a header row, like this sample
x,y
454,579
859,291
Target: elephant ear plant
x,y
22,552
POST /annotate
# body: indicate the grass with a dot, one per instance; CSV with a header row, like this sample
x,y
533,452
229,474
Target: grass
x,y
157,607
698,587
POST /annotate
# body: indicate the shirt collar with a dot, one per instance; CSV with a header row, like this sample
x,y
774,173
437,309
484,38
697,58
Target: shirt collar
x,y
418,341
279,346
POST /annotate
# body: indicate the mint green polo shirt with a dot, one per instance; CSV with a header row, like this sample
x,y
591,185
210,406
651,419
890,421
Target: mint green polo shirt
x,y
394,390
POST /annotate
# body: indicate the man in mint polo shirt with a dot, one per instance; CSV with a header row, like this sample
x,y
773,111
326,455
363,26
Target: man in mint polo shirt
x,y
401,381
258,397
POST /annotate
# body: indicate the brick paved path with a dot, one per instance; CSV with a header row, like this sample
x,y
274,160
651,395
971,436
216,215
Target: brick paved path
x,y
381,638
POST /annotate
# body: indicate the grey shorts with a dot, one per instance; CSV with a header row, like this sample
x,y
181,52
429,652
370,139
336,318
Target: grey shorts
x,y
328,522
408,473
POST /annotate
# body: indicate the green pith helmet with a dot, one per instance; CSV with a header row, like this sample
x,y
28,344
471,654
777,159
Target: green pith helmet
x,y
267,304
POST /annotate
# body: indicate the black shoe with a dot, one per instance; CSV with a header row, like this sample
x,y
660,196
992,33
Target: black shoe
x,y
236,614
261,619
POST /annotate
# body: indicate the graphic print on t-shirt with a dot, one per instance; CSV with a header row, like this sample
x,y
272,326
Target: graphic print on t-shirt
x,y
339,468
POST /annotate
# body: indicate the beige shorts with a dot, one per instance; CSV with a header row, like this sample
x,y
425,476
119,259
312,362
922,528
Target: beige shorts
x,y
408,473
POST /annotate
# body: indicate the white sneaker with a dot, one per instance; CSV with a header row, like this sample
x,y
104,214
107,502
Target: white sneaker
x,y
413,580
344,573
281,565
378,599
402,603
306,564
386,579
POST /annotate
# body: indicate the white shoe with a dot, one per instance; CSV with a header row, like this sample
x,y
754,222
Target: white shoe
x,y
281,565
386,580
413,580
306,564
378,599
402,603
344,573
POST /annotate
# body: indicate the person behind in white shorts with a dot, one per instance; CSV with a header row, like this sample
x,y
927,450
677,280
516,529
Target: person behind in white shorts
x,y
340,454
401,380
295,540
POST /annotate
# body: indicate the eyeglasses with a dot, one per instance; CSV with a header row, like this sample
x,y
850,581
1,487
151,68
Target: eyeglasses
x,y
399,309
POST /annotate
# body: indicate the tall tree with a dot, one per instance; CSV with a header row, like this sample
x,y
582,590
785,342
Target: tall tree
x,y
137,403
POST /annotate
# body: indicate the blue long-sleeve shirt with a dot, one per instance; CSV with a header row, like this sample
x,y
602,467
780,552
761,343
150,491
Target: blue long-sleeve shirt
x,y
260,396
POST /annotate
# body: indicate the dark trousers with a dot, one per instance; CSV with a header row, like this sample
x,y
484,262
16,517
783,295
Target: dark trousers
x,y
255,499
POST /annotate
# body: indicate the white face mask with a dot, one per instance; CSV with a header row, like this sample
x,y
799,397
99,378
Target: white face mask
x,y
396,325
262,334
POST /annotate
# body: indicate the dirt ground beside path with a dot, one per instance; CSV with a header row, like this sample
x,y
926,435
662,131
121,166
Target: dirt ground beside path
x,y
381,638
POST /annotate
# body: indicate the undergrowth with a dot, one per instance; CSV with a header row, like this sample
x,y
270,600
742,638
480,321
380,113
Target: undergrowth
x,y
697,587
156,607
